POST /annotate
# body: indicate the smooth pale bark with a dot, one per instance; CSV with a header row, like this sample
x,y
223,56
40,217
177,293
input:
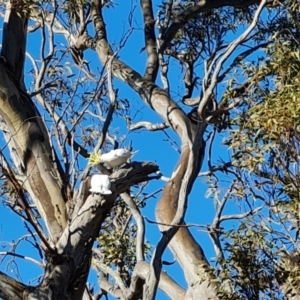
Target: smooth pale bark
x,y
139,276
25,131
166,283
68,267
186,249
10,288
69,262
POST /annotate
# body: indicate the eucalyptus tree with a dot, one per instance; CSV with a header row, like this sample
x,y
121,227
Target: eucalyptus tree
x,y
57,113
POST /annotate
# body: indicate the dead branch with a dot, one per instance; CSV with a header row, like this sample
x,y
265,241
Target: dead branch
x,y
149,126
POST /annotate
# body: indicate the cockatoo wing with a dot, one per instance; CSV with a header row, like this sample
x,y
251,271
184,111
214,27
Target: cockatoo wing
x,y
122,153
116,157
100,184
125,153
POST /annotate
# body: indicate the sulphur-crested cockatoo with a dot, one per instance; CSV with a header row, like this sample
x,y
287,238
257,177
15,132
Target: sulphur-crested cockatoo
x,y
100,184
117,157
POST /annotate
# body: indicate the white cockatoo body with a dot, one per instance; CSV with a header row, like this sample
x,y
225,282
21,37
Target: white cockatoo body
x,y
100,184
117,157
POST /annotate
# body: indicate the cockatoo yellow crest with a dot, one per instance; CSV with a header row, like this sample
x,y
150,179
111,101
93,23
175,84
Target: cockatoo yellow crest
x,y
94,158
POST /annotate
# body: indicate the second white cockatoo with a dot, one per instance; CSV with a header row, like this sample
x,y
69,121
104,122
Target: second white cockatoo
x,y
117,157
100,184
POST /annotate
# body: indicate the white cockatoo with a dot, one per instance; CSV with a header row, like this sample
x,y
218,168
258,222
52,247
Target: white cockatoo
x,y
117,157
100,184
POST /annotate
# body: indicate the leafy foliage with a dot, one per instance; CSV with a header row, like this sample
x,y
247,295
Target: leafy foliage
x,y
265,147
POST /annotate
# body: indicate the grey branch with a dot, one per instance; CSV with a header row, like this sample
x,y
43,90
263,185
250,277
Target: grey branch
x,y
140,225
241,216
23,257
150,40
149,126
141,270
10,288
214,169
208,91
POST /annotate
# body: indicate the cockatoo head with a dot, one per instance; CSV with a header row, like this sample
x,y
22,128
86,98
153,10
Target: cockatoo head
x,y
112,159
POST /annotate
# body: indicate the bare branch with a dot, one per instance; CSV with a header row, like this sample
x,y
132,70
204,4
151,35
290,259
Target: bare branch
x,y
165,107
30,259
164,65
150,40
141,270
239,58
34,27
140,225
214,229
214,169
208,91
111,108
166,283
44,87
109,271
110,113
63,127
191,101
211,140
181,225
108,287
162,177
149,126
241,216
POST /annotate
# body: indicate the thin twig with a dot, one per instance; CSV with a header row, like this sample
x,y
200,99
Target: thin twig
x,y
207,91
41,265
